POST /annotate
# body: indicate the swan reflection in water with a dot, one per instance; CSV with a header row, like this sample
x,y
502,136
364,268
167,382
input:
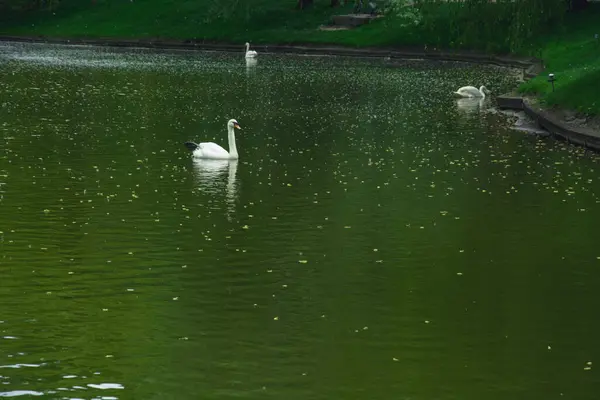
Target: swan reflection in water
x,y
210,176
471,105
250,64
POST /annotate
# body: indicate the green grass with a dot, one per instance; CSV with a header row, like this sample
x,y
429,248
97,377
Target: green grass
x,y
572,55
574,58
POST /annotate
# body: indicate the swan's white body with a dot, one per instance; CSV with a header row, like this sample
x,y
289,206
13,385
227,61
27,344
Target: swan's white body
x,y
472,91
213,151
250,53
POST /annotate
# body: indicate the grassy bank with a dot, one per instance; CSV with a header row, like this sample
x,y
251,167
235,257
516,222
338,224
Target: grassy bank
x,y
574,57
532,27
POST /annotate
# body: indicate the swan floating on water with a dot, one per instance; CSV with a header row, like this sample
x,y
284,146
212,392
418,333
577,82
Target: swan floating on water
x,y
472,91
250,53
212,150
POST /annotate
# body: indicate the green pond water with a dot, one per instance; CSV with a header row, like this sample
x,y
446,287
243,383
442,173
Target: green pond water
x,y
377,238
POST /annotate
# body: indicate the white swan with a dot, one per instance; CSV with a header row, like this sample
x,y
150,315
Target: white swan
x,y
212,150
250,53
472,91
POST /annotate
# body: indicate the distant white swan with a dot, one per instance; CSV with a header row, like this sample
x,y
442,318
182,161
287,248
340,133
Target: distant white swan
x,y
212,150
472,91
250,53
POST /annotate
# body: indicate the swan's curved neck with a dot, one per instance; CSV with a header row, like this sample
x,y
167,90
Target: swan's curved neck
x,y
481,89
247,47
231,139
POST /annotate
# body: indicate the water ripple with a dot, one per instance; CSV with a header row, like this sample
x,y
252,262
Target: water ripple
x,y
375,236
18,393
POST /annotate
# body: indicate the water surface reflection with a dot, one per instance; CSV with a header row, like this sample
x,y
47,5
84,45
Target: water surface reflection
x,y
471,105
382,240
216,177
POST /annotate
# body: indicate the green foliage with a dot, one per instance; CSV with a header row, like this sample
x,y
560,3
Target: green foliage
x,y
500,26
404,12
16,6
226,20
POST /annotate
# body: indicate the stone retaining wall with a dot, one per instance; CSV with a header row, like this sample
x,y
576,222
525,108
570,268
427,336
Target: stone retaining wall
x,y
544,118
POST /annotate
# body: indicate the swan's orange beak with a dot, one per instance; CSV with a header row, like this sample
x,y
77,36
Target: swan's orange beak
x,y
237,126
